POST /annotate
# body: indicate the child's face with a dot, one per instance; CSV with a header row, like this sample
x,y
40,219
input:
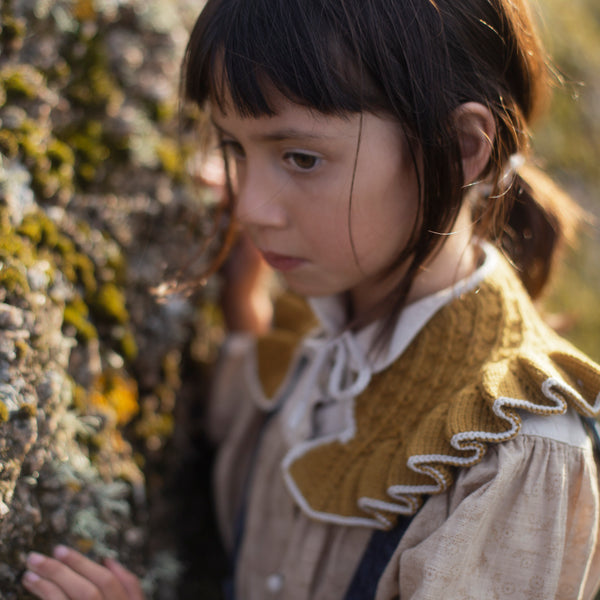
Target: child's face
x,y
293,185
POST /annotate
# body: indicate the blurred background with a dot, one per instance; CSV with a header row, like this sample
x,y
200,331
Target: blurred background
x,y
567,141
101,380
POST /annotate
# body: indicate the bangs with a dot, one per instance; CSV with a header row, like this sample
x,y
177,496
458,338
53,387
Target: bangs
x,y
241,50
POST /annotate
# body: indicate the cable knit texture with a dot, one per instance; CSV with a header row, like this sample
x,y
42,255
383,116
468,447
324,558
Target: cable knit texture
x,y
457,388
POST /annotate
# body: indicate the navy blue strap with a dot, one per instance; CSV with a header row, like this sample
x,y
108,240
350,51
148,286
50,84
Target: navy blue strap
x,y
228,586
375,559
593,428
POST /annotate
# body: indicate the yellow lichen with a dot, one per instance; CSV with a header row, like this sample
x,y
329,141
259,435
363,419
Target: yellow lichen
x,y
117,393
84,545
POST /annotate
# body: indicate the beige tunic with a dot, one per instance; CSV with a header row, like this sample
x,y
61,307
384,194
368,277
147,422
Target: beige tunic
x,y
523,523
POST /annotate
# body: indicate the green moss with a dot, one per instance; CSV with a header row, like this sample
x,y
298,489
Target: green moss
x,y
109,303
76,315
86,172
18,86
9,145
90,150
32,148
163,111
76,266
59,153
155,426
128,346
12,30
13,279
84,270
14,250
28,127
59,72
171,158
50,161
39,229
44,184
95,88
115,261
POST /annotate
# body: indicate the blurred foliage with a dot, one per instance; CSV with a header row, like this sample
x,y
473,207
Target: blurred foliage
x,y
568,142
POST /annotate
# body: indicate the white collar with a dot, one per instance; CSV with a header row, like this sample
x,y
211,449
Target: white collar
x,y
339,367
330,312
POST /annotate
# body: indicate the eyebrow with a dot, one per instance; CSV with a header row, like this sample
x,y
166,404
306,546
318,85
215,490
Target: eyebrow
x,y
279,135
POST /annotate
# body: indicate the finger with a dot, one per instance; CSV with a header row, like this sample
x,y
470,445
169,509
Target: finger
x,y
52,580
128,580
101,577
42,588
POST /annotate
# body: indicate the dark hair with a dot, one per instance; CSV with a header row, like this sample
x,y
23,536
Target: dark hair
x,y
417,60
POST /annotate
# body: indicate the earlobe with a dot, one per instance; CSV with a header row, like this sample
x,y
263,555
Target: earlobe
x,y
476,131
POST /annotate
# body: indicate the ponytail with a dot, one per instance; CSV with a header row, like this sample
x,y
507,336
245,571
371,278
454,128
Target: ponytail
x,y
538,220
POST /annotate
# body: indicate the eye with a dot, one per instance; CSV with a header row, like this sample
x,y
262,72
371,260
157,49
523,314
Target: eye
x,y
233,149
302,160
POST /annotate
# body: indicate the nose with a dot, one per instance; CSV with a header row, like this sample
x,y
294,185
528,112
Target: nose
x,y
259,198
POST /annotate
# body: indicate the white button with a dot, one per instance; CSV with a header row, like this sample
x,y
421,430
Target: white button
x,y
275,583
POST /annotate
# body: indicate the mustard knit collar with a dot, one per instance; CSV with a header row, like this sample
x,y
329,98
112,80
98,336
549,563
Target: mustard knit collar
x,y
457,388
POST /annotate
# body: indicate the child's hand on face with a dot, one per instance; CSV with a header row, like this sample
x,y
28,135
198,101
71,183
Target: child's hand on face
x,y
245,298
72,576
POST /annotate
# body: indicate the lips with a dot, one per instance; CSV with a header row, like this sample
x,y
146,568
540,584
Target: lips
x,y
281,262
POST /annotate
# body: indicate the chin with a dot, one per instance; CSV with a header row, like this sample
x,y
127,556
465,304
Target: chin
x,y
307,289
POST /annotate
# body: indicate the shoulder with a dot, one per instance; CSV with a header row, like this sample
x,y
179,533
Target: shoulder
x,y
567,428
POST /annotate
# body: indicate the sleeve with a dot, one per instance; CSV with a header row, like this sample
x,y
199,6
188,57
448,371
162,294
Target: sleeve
x,y
522,524
252,368
233,422
229,386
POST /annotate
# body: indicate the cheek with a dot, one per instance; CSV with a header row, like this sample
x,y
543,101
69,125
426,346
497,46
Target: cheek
x,y
387,210
323,214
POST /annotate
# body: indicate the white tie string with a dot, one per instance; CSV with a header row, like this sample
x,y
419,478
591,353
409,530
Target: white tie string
x,y
338,370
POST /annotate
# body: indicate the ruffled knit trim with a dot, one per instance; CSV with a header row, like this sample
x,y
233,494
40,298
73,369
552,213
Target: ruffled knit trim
x,y
457,389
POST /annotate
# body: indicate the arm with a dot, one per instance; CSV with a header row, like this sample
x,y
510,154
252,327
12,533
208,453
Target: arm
x,y
71,576
522,524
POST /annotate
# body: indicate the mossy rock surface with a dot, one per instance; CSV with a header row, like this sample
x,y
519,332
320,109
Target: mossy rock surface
x,y
95,212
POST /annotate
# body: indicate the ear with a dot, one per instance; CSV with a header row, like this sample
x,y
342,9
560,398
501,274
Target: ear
x,y
476,131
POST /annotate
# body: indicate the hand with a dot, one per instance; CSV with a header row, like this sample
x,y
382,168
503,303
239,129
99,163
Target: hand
x,y
245,297
72,576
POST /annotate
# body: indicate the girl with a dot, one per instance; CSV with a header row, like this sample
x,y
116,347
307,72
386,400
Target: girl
x,y
414,430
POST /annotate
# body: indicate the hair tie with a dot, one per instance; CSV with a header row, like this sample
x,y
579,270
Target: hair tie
x,y
515,162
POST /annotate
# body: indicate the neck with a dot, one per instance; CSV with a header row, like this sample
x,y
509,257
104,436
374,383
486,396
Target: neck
x,y
455,259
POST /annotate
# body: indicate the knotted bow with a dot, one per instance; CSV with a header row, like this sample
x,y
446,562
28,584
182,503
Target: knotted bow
x,y
338,370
